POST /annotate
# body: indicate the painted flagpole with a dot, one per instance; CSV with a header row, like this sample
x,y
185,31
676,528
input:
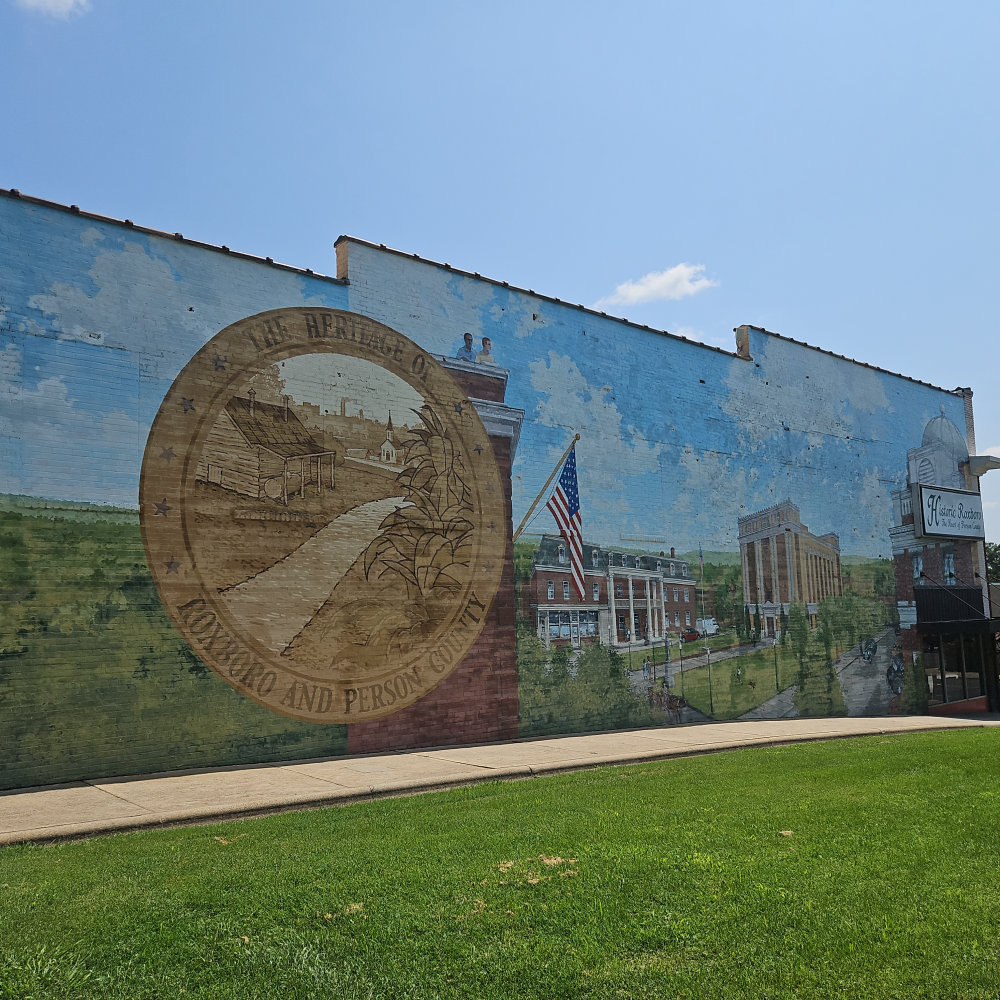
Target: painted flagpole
x,y
701,562
559,465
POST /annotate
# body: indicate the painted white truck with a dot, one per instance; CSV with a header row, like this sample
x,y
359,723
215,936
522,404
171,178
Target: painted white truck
x,y
706,627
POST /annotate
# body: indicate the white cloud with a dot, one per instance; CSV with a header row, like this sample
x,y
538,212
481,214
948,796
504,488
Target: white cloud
x,y
55,8
140,317
807,392
142,304
73,454
609,451
725,341
715,492
325,379
677,282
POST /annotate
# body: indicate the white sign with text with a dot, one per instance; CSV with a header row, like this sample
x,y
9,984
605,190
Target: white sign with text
x,y
951,513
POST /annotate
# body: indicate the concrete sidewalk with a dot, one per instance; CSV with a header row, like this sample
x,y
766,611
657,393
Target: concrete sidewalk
x,y
85,808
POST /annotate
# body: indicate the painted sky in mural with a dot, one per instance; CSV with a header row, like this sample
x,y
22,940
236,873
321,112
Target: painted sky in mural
x,y
153,304
677,440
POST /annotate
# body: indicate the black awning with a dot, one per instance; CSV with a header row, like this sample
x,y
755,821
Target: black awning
x,y
966,626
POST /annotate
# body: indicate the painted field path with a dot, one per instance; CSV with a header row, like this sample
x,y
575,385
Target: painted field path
x,y
278,602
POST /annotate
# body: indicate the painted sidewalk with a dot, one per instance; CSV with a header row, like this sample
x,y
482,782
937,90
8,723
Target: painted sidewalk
x,y
86,808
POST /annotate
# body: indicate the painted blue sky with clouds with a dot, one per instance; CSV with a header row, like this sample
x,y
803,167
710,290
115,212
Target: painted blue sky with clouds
x,y
112,311
822,170
677,439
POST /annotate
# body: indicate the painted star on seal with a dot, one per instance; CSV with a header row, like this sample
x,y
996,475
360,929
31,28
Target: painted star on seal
x,y
162,507
187,403
220,363
174,565
458,407
167,454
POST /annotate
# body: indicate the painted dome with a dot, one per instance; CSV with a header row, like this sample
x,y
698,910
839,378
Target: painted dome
x,y
942,432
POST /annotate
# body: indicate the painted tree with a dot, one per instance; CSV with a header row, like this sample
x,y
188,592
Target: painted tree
x,y
993,562
914,699
826,618
559,692
826,622
798,631
268,385
427,543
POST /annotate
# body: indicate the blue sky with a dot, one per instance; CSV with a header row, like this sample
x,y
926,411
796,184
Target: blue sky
x,y
826,171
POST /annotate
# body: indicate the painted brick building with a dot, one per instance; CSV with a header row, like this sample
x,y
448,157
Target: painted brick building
x,y
122,646
631,599
783,561
945,624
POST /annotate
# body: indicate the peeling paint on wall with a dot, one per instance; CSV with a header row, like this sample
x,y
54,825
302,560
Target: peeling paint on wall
x,y
283,488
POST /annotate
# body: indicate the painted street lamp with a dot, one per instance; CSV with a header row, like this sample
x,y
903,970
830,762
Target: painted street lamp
x,y
711,702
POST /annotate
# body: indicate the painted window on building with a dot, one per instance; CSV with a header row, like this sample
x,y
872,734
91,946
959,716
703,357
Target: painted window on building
x,y
565,590
551,590
597,591
677,619
918,567
687,618
949,568
687,595
562,553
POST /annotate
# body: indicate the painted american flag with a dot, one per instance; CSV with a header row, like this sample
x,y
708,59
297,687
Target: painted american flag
x,y
565,507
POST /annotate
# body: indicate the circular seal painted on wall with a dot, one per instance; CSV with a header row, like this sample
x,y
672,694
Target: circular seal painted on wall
x,y
323,514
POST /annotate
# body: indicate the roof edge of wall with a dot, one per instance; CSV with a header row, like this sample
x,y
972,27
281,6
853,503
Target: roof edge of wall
x,y
530,291
128,224
959,391
15,194
637,326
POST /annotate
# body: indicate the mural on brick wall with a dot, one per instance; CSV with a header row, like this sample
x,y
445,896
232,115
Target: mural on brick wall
x,y
731,556
328,561
250,513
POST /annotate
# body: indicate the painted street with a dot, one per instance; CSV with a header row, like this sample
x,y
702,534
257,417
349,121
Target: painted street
x,y
277,603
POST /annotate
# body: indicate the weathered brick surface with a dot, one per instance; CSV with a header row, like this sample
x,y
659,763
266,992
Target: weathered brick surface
x,y
678,441
477,702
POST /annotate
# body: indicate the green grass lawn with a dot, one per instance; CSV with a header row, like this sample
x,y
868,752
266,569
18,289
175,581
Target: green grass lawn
x,y
732,695
634,657
855,869
741,683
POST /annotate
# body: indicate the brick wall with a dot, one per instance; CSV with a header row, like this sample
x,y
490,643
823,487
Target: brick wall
x,y
477,701
678,440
